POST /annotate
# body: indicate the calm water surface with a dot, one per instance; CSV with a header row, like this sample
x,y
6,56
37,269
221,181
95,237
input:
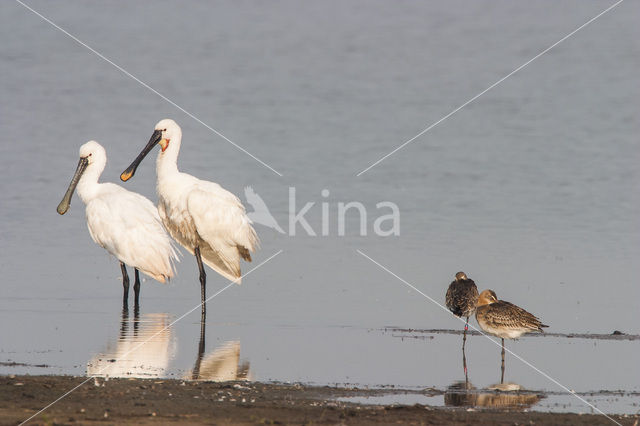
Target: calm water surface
x,y
532,190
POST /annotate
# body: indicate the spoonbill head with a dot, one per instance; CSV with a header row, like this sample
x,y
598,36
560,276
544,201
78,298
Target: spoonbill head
x,y
207,220
124,223
167,134
93,159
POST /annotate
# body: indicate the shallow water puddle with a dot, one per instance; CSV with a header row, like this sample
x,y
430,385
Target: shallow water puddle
x,y
621,403
399,363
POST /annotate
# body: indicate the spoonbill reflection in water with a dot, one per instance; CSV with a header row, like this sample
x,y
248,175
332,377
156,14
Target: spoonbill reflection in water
x,y
207,220
142,352
124,223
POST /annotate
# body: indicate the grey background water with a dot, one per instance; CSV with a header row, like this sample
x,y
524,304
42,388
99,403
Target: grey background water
x,y
532,189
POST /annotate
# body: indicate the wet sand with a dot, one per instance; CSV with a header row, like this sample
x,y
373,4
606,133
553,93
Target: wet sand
x,y
425,333
136,401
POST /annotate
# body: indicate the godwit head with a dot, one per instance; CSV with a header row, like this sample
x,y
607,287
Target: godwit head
x,y
487,297
460,276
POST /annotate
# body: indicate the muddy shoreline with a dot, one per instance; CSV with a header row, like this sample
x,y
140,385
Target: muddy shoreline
x,y
137,401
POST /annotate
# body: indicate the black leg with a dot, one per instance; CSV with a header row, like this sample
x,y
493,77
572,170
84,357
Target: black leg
x,y
125,284
203,282
502,368
136,290
124,320
196,368
136,321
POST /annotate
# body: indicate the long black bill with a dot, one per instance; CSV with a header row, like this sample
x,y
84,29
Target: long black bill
x,y
130,171
66,200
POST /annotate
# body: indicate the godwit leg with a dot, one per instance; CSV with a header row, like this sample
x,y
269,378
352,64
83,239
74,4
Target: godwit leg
x,y
464,365
464,335
502,368
125,285
203,282
136,290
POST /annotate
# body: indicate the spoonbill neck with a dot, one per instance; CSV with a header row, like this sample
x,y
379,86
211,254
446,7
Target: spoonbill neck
x,y
88,185
167,162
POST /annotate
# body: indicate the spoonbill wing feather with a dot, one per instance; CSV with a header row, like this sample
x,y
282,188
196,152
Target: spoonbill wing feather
x,y
222,223
128,226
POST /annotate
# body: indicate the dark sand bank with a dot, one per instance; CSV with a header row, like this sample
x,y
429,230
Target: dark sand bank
x,y
136,401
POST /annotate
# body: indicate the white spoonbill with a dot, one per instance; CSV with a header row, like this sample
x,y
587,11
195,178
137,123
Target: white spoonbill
x,y
207,220
124,223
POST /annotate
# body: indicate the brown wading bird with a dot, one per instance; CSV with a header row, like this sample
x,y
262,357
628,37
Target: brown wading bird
x,y
504,319
462,296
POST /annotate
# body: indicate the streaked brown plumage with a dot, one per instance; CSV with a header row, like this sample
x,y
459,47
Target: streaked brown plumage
x,y
462,296
461,299
504,319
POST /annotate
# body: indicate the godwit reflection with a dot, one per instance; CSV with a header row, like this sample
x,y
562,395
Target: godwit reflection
x,y
464,366
504,395
128,356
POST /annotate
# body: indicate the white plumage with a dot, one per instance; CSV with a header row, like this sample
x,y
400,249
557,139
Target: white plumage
x,y
142,351
221,365
124,223
200,215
